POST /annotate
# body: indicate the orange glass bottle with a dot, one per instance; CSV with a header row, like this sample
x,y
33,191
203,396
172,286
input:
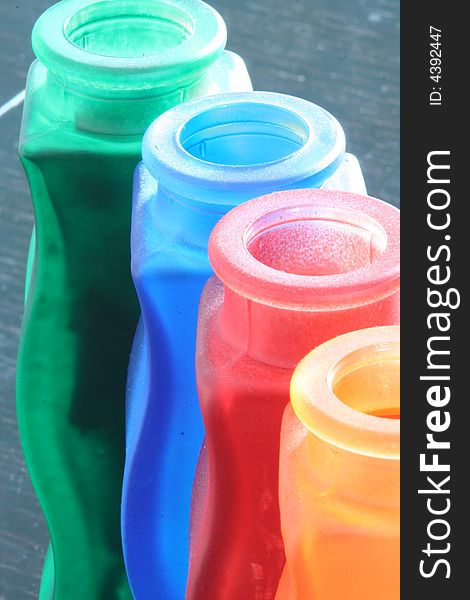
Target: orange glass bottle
x,y
339,479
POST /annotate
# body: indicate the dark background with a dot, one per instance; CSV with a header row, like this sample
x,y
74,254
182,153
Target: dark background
x,y
428,129
341,54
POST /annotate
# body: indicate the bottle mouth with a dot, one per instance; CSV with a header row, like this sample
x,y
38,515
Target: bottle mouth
x,y
309,250
131,30
368,380
243,134
315,241
347,392
128,44
228,148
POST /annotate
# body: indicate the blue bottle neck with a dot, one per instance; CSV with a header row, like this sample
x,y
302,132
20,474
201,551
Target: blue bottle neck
x,y
189,221
229,148
212,154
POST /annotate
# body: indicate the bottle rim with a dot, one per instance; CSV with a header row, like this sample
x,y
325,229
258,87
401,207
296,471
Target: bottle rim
x,y
317,135
201,28
325,415
364,283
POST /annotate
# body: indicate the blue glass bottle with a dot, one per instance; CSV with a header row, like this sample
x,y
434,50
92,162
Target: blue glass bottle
x,y
199,160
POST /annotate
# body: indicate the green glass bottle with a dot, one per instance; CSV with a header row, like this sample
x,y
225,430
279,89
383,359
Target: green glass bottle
x,y
105,70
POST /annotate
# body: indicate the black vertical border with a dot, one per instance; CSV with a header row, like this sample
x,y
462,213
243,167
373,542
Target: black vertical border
x,y
424,129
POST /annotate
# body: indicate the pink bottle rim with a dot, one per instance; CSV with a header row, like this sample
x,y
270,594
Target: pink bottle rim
x,y
328,417
248,276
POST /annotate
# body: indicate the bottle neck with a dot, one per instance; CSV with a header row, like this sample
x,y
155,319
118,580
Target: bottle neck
x,y
189,220
119,114
282,337
229,148
112,67
346,397
355,477
303,266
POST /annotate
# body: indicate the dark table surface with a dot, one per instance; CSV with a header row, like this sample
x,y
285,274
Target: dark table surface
x,y
341,54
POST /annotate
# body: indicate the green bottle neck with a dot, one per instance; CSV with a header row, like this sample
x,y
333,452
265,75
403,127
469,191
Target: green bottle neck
x,y
112,66
120,114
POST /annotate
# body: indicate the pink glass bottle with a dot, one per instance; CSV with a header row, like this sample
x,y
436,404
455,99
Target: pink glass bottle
x,y
294,269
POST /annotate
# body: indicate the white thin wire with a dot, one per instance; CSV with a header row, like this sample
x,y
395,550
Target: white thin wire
x,y
12,103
